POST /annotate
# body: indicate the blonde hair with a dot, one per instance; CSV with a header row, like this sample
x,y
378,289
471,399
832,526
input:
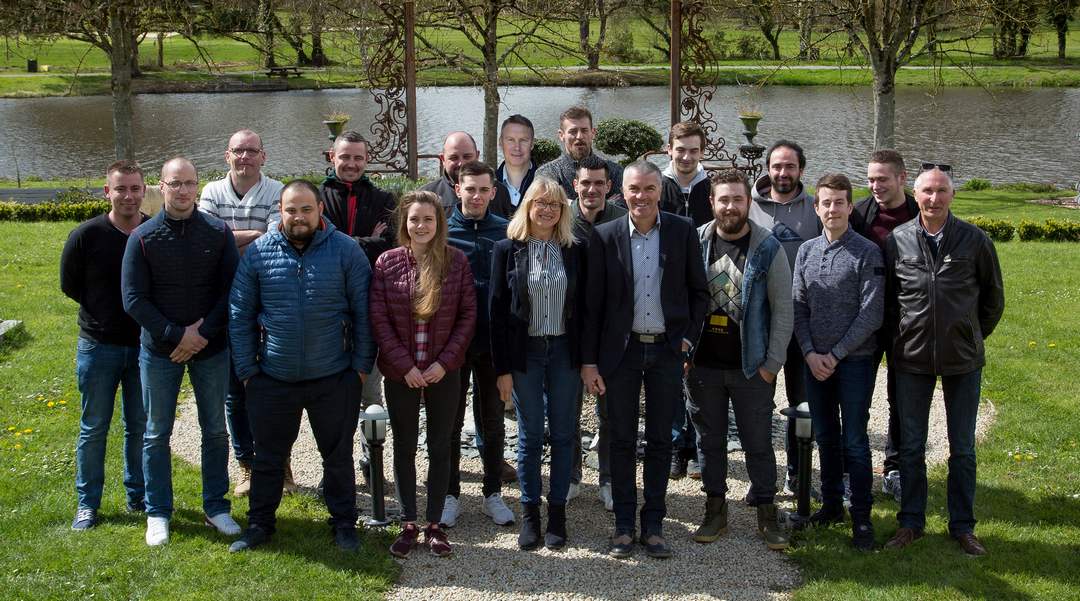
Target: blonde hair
x,y
433,264
542,188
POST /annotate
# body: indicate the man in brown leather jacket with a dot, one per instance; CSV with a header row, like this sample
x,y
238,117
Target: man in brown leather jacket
x,y
944,296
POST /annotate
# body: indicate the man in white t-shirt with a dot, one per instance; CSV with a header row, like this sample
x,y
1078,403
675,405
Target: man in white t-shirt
x,y
247,201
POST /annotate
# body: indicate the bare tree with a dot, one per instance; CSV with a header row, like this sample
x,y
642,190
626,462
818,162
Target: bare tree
x,y
887,32
497,29
1060,12
656,14
601,10
768,15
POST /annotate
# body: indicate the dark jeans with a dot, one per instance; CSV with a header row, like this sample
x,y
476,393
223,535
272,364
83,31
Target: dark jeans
x,y
603,441
914,393
660,370
440,402
683,436
236,417
711,391
488,416
892,436
549,387
840,410
795,386
274,408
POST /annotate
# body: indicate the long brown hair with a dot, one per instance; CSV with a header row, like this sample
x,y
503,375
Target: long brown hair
x,y
434,263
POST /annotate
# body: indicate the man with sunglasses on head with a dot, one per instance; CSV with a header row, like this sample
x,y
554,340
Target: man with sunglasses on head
x,y
177,271
944,297
246,200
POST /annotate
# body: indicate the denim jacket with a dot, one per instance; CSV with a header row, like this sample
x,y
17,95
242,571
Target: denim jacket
x,y
766,297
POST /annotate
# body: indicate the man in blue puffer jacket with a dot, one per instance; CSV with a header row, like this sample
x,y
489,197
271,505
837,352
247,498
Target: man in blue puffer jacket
x,y
301,341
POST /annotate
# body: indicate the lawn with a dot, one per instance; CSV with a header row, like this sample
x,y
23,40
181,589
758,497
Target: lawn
x,y
43,559
1028,500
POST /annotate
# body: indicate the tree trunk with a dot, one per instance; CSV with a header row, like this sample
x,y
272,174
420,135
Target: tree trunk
x,y
592,53
121,24
601,35
884,103
1061,24
136,71
318,54
266,23
806,29
161,50
774,41
491,88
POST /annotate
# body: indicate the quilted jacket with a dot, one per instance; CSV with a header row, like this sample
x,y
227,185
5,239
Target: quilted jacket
x,y
301,316
450,329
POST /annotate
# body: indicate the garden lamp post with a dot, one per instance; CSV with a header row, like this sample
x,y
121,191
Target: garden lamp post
x,y
373,426
804,435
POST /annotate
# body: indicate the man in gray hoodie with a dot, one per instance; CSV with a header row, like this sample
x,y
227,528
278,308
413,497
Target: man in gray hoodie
x,y
782,205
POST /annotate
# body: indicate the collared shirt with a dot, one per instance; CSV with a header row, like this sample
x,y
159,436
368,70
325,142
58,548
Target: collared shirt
x,y
257,210
933,239
547,288
647,275
564,170
515,193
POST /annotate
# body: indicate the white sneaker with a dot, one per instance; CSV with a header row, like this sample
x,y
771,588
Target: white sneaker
x,y
497,509
223,523
157,531
573,491
451,510
605,497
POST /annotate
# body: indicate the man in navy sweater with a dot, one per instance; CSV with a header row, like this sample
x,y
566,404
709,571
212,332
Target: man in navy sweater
x,y
177,271
108,350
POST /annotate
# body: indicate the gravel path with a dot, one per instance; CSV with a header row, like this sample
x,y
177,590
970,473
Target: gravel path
x,y
488,566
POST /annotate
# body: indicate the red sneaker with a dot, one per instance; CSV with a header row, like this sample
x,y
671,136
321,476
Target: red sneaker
x,y
436,540
406,541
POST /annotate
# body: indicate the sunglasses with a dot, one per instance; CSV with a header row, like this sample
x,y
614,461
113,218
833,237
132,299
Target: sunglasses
x,y
931,166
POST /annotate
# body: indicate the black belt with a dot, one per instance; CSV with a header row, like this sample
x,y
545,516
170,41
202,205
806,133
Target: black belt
x,y
649,338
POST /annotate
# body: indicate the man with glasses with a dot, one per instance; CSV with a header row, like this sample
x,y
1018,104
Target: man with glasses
x,y
245,199
177,270
944,296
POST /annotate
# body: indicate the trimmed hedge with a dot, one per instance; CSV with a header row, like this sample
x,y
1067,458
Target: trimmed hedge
x,y
999,230
545,151
53,211
1051,230
627,137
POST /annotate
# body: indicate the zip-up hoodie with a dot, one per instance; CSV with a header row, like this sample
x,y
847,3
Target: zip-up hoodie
x,y
792,223
477,238
692,202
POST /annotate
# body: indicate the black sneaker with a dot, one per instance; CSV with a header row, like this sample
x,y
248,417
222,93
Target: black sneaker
x,y
253,537
138,506
85,519
862,535
827,516
346,539
678,467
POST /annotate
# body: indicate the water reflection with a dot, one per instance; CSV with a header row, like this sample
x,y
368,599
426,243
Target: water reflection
x,y
1010,135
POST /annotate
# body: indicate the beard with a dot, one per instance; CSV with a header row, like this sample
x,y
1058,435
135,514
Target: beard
x,y
302,237
784,186
731,224
577,153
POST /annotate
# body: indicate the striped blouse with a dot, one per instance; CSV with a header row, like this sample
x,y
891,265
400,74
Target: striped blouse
x,y
547,288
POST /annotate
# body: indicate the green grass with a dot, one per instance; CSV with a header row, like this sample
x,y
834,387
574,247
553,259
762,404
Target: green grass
x,y
43,559
1028,508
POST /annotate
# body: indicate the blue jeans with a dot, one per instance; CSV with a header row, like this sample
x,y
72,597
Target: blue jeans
x,y
101,368
161,385
548,372
840,410
236,416
913,397
660,370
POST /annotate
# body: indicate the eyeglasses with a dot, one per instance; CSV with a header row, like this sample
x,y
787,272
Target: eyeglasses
x,y
176,185
243,151
931,166
550,206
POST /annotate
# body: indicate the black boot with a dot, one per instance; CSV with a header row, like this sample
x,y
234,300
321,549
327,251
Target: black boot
x,y
529,538
555,537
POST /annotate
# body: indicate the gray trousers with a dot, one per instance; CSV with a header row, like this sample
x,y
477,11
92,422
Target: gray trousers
x,y
710,392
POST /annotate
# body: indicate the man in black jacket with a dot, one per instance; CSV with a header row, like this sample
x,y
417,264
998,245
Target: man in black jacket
x,y
359,208
645,306
944,297
874,217
107,355
459,149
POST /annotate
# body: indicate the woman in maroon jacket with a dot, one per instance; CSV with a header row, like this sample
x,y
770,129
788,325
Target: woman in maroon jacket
x,y
423,314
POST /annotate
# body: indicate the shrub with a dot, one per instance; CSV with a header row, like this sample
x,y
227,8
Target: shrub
x,y
628,138
1029,187
1029,230
75,196
620,47
53,211
999,230
1056,230
750,47
545,151
975,184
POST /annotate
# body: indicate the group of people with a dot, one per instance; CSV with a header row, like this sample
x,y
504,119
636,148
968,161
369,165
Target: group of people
x,y
531,286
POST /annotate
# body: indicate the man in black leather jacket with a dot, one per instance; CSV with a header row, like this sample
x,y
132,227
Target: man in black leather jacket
x,y
944,296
